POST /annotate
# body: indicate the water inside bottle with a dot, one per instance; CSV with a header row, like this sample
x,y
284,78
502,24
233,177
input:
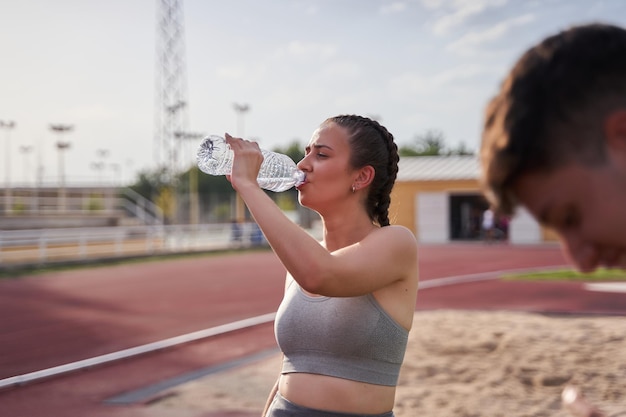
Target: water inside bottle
x,y
279,172
275,184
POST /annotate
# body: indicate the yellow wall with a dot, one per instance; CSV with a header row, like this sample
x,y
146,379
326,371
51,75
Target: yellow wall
x,y
549,235
402,210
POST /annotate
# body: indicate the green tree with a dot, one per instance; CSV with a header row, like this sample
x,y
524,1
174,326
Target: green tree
x,y
294,150
432,143
149,183
461,149
214,192
207,184
429,143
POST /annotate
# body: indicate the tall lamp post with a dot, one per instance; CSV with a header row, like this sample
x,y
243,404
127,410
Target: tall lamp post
x,y
98,167
128,164
25,150
8,125
117,174
175,114
194,217
107,191
61,146
174,124
101,164
240,110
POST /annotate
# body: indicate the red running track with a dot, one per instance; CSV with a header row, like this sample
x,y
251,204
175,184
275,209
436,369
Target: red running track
x,y
57,318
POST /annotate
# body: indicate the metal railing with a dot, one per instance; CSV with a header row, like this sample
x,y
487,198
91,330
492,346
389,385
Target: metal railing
x,y
115,202
141,208
49,246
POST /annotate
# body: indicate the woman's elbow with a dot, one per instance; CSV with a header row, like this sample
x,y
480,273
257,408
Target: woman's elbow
x,y
312,285
313,281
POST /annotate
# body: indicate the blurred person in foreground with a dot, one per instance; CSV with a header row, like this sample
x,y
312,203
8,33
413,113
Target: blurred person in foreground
x,y
349,300
554,141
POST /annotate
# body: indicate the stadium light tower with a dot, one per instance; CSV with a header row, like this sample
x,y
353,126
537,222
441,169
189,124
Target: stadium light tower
x,y
8,125
194,216
61,129
241,110
171,84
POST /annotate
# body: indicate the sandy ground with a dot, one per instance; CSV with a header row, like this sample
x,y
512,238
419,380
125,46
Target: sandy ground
x,y
465,364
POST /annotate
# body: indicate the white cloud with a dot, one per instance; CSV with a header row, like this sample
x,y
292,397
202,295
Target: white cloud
x,y
460,11
468,44
308,50
463,72
395,7
231,72
433,4
311,10
93,112
341,69
411,83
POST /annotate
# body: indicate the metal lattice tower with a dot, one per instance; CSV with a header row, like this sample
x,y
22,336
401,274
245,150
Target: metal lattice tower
x,y
171,85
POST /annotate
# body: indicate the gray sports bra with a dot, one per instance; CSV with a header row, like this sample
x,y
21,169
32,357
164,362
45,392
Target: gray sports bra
x,y
345,337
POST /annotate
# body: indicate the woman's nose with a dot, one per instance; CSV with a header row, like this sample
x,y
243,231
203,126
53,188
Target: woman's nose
x,y
303,165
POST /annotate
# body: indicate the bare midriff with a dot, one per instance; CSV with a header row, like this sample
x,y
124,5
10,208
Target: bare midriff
x,y
335,394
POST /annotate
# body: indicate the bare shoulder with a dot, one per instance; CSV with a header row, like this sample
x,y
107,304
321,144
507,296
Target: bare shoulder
x,y
401,230
397,237
397,232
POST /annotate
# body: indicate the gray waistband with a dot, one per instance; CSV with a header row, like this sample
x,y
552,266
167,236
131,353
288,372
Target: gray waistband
x,y
282,407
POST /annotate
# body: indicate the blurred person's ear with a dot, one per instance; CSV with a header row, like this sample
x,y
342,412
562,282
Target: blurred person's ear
x,y
615,129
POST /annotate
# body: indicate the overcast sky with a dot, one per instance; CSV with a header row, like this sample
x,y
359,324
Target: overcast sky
x,y
415,64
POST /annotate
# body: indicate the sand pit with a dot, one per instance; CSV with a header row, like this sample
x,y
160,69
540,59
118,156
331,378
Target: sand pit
x,y
465,364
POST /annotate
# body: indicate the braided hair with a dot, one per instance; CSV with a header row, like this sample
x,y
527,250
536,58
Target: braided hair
x,y
371,144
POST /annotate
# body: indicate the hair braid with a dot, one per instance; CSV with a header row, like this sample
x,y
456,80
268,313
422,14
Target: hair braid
x,y
384,192
372,144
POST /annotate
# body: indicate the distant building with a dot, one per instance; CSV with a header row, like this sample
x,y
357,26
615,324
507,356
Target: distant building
x,y
439,199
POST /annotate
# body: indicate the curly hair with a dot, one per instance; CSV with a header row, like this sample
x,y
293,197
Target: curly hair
x,y
372,144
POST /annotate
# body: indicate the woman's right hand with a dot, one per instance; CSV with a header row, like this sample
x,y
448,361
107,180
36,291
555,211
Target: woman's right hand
x,y
246,164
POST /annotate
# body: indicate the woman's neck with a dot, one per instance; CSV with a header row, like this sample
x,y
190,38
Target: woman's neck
x,y
342,231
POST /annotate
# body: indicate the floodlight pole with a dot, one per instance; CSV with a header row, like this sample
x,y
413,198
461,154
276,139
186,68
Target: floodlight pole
x,y
240,110
62,146
8,125
194,215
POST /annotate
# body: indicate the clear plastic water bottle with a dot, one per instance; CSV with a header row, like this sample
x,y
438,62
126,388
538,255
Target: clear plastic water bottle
x,y
278,172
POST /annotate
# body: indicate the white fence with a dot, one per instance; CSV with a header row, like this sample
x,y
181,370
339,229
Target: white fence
x,y
48,246
23,204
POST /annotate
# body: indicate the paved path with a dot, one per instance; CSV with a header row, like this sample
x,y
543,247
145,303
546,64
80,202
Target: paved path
x,y
56,318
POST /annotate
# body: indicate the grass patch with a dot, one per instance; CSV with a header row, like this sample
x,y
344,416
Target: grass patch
x,y
600,274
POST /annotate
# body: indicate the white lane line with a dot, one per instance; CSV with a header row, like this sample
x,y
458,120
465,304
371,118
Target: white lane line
x,y
152,391
606,286
138,350
481,276
459,279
